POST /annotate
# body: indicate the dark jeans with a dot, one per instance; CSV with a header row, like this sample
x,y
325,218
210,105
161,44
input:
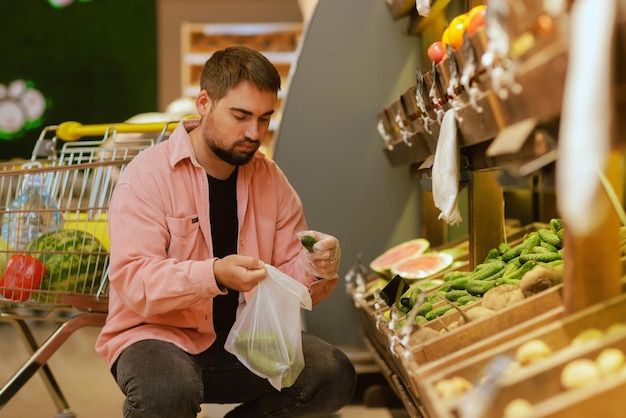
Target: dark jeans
x,y
161,380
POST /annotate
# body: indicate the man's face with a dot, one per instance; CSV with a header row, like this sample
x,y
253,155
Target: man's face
x,y
238,122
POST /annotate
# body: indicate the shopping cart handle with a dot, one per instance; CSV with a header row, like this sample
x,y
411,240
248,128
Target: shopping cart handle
x,y
72,131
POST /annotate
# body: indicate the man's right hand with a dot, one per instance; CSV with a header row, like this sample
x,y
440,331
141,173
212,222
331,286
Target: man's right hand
x,y
239,272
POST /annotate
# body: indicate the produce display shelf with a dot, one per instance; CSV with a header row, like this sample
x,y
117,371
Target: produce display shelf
x,y
523,381
410,364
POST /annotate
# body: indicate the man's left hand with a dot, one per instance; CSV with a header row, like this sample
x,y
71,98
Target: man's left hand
x,y
323,261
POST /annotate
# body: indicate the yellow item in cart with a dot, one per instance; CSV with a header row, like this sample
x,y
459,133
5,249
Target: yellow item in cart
x,y
5,254
96,225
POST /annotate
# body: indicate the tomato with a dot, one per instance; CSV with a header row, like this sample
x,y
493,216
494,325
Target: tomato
x,y
436,52
477,20
23,274
456,28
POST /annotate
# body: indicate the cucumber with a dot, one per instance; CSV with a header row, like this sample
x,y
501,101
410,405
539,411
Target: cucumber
x,y
451,275
464,300
479,287
420,320
519,273
532,240
487,270
460,283
550,237
497,275
548,246
556,224
308,242
503,247
424,308
454,295
512,253
436,297
437,312
492,255
445,287
512,265
539,257
409,297
541,249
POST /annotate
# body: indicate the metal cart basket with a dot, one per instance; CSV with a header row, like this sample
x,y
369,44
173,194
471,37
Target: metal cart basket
x,y
54,245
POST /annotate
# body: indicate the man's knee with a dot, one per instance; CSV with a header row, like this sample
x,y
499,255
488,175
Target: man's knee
x,y
158,379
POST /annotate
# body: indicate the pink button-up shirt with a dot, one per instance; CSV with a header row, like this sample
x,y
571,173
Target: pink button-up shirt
x,y
161,276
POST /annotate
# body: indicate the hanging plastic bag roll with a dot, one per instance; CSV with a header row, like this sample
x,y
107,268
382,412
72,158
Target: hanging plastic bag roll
x,y
445,171
267,335
584,131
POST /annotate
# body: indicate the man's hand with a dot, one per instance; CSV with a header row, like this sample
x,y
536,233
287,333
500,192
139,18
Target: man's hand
x,y
239,272
323,261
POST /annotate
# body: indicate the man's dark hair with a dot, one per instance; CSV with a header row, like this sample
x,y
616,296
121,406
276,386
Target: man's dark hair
x,y
227,68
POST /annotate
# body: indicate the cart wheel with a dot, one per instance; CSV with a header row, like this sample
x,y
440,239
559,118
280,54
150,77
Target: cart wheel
x,y
65,414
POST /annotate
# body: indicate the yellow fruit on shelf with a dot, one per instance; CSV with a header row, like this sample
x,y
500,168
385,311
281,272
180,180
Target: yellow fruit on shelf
x,y
470,14
456,29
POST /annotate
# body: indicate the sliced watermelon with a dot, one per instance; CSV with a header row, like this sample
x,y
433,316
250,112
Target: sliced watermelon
x,y
382,264
422,266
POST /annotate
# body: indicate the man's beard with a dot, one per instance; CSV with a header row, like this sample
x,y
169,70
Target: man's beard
x,y
231,156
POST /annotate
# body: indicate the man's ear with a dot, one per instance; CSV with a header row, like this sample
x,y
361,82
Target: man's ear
x,y
203,103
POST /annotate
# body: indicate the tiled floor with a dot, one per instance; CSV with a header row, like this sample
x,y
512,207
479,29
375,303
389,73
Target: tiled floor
x,y
87,384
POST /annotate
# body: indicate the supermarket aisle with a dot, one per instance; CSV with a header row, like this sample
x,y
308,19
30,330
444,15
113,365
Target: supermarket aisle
x,y
88,386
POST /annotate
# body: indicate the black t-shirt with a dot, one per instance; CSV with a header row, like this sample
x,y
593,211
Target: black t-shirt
x,y
224,230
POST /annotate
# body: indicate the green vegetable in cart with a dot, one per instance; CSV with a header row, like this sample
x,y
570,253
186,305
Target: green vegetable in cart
x,y
23,274
75,261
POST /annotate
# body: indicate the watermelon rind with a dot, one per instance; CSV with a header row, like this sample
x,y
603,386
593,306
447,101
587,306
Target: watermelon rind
x,y
75,262
411,248
411,269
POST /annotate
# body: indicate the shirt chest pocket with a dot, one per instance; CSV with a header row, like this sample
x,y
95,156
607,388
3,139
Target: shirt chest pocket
x,y
184,236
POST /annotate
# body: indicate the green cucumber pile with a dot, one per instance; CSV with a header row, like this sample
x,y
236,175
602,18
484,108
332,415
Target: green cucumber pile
x,y
503,265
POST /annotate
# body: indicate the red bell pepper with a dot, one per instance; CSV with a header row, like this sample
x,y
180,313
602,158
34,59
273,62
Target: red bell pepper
x,y
23,274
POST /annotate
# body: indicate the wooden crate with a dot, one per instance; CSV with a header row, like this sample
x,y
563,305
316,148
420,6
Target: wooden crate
x,y
539,382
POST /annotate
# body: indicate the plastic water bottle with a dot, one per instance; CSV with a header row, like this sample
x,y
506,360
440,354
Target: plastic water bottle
x,y
24,221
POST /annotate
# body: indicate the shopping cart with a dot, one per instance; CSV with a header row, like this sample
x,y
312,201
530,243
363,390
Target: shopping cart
x,y
54,242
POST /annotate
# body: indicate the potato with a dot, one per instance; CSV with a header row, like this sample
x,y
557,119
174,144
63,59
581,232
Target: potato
x,y
476,313
610,360
454,386
586,335
532,351
579,372
518,408
539,279
615,328
502,296
422,335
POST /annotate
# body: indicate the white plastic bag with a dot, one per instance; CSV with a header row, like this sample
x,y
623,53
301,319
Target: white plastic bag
x,y
445,171
267,335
